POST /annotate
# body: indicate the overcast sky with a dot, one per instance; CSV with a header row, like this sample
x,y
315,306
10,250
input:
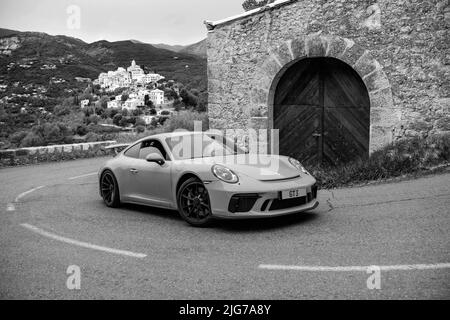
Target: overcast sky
x,y
151,21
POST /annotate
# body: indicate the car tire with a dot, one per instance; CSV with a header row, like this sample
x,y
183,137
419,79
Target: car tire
x,y
194,204
109,189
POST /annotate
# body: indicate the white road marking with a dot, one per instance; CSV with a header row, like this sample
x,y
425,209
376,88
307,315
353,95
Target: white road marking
x,y
407,267
84,176
82,244
11,207
23,194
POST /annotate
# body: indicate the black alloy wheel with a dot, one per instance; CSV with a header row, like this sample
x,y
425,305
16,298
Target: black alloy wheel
x,y
110,190
194,204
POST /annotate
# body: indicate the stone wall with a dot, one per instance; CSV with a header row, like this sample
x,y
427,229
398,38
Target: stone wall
x,y
27,156
399,48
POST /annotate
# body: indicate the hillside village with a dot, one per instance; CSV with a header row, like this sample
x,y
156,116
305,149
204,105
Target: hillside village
x,y
78,109
140,92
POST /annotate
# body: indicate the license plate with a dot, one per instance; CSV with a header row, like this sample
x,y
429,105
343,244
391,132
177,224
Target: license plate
x,y
292,194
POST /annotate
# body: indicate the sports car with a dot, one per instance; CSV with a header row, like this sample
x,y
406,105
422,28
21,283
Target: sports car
x,y
206,176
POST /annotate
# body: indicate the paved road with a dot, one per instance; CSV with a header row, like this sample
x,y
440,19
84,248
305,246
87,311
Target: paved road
x,y
399,224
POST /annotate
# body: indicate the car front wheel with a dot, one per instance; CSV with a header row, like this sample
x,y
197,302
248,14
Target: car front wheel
x,y
110,189
194,204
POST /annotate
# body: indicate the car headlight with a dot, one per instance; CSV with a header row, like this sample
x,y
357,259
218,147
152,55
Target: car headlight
x,y
225,174
298,165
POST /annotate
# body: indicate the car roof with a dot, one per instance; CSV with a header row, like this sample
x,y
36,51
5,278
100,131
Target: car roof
x,y
172,135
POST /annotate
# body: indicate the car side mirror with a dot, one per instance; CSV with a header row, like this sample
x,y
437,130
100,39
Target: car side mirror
x,y
155,158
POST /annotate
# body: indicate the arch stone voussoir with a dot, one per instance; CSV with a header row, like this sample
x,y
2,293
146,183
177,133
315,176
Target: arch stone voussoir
x,y
282,53
382,99
376,81
298,47
336,47
352,55
316,46
366,65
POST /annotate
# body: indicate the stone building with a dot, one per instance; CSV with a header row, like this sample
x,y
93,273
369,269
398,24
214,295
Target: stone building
x,y
338,78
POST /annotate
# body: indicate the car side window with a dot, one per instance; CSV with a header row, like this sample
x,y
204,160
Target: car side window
x,y
133,152
152,146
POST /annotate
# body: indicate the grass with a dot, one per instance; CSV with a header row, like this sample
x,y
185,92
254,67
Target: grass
x,y
405,157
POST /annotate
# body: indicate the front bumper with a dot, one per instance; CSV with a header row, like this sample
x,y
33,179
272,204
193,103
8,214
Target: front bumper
x,y
258,199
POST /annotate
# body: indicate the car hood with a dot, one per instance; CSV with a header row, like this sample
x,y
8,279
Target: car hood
x,y
259,167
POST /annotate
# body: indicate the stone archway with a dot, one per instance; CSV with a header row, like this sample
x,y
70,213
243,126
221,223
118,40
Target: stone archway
x,y
384,118
322,111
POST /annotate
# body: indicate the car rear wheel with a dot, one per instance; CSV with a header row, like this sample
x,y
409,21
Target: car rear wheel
x,y
110,190
194,204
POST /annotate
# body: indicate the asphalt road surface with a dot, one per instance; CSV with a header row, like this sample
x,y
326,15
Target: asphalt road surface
x,y
51,217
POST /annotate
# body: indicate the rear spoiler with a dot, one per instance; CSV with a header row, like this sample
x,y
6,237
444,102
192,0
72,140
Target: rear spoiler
x,y
118,148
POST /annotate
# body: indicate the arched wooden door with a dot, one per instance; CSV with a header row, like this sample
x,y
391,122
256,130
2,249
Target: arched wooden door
x,y
322,109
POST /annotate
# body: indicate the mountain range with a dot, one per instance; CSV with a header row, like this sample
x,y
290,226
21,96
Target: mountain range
x,y
198,49
37,58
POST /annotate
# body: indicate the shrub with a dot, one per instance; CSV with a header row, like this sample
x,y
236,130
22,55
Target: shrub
x,y
32,140
16,138
81,130
62,110
117,119
140,129
92,137
185,120
406,156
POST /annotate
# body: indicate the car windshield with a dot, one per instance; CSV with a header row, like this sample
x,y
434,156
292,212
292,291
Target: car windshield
x,y
202,145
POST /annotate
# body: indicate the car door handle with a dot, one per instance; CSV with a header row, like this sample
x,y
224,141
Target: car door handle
x,y
134,171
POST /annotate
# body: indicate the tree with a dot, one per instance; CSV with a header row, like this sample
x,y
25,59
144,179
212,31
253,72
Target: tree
x,y
81,130
117,119
110,113
32,140
140,129
171,94
16,138
178,105
148,102
123,122
202,102
93,119
189,99
103,102
125,97
254,4
63,110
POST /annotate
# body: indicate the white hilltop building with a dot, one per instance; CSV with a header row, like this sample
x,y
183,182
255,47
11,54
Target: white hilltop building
x,y
136,71
133,103
157,97
124,78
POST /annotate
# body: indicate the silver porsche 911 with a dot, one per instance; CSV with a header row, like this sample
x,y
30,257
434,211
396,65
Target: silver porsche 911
x,y
204,176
